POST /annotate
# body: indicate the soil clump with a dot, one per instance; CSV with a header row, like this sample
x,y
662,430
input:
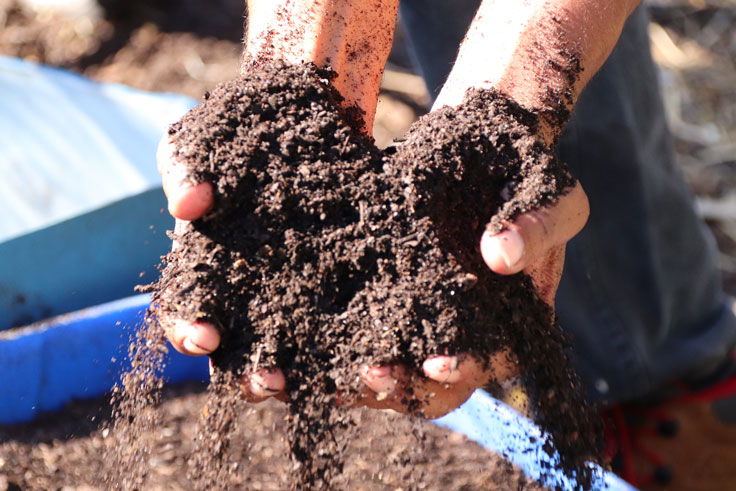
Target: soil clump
x,y
323,254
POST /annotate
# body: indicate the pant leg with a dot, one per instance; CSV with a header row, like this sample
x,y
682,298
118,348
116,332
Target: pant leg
x,y
641,293
434,30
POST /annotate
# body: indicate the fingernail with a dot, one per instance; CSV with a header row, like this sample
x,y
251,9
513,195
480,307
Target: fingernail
x,y
440,367
439,364
375,371
510,246
258,385
197,338
193,347
379,372
180,191
380,379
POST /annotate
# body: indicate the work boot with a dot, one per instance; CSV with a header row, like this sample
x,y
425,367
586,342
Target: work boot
x,y
684,443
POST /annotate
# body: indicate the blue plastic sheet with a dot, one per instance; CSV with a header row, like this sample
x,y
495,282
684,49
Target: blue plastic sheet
x,y
75,356
498,427
38,375
70,145
80,193
90,259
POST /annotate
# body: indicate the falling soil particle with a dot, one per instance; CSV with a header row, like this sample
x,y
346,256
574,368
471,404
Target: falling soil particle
x,y
323,254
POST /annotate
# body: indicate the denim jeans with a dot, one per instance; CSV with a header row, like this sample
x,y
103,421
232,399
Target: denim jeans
x,y
641,293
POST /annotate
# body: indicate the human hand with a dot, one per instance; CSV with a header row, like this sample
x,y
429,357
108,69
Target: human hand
x,y
451,379
325,33
189,201
535,244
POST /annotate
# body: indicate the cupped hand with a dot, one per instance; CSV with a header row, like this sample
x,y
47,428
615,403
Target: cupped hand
x,y
533,243
189,201
448,382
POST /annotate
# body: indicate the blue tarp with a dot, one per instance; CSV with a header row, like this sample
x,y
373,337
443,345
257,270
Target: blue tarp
x,y
40,376
75,356
80,193
70,145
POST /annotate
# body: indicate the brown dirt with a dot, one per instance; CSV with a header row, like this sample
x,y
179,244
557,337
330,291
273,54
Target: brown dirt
x,y
64,451
159,45
314,228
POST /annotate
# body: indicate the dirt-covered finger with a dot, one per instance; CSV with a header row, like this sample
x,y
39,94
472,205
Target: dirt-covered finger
x,y
164,154
422,396
264,384
533,234
408,392
383,388
187,201
193,338
546,274
468,369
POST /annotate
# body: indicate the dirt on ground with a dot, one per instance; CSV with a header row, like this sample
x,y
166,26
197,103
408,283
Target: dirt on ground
x,y
64,451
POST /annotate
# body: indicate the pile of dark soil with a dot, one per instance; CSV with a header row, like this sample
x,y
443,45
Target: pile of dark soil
x,y
162,46
323,255
64,451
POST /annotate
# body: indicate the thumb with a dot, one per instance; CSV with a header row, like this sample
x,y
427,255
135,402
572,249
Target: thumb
x,y
187,201
535,233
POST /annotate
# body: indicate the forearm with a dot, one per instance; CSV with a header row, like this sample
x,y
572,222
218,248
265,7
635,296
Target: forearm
x,y
540,53
352,36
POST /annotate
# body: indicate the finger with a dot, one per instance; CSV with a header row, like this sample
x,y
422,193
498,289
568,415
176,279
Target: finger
x,y
378,384
193,338
546,274
179,230
381,388
165,152
426,397
380,380
534,233
443,369
469,370
264,384
449,383
187,201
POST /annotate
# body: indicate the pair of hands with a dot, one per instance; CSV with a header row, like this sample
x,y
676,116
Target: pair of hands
x,y
534,243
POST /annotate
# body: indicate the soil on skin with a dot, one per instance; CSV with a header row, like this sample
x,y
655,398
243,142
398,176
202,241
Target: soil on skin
x,y
323,255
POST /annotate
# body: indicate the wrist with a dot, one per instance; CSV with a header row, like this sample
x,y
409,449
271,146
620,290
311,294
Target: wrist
x,y
539,53
352,37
